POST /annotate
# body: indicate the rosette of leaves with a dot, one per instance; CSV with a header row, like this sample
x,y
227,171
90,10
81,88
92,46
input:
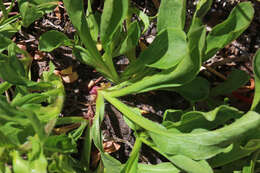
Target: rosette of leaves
x,y
191,141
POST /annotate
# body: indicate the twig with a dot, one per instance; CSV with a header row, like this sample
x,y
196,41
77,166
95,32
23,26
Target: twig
x,y
215,72
156,3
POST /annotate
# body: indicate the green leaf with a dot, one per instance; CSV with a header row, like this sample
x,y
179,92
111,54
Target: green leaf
x,y
256,65
110,163
132,163
227,31
29,13
4,87
172,13
205,144
202,8
83,56
95,128
9,72
27,99
51,40
37,160
145,20
61,144
236,153
75,11
171,46
183,73
131,40
92,23
235,80
62,163
159,168
114,13
167,50
33,10
196,90
4,42
196,119
19,165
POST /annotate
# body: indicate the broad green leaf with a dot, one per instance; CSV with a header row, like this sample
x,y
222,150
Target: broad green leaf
x,y
69,120
76,134
61,144
75,11
132,163
51,40
87,146
110,163
256,65
83,56
95,128
5,140
205,144
159,168
200,144
29,13
10,26
189,165
61,163
235,80
4,42
171,46
182,162
196,119
37,161
131,39
236,153
167,50
16,133
172,13
92,23
202,8
4,86
145,20
227,31
30,98
114,13
19,165
33,10
184,72
196,90
36,124
8,72
133,116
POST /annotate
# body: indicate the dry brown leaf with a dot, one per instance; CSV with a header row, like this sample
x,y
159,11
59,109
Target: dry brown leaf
x,y
67,71
99,46
111,146
70,78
